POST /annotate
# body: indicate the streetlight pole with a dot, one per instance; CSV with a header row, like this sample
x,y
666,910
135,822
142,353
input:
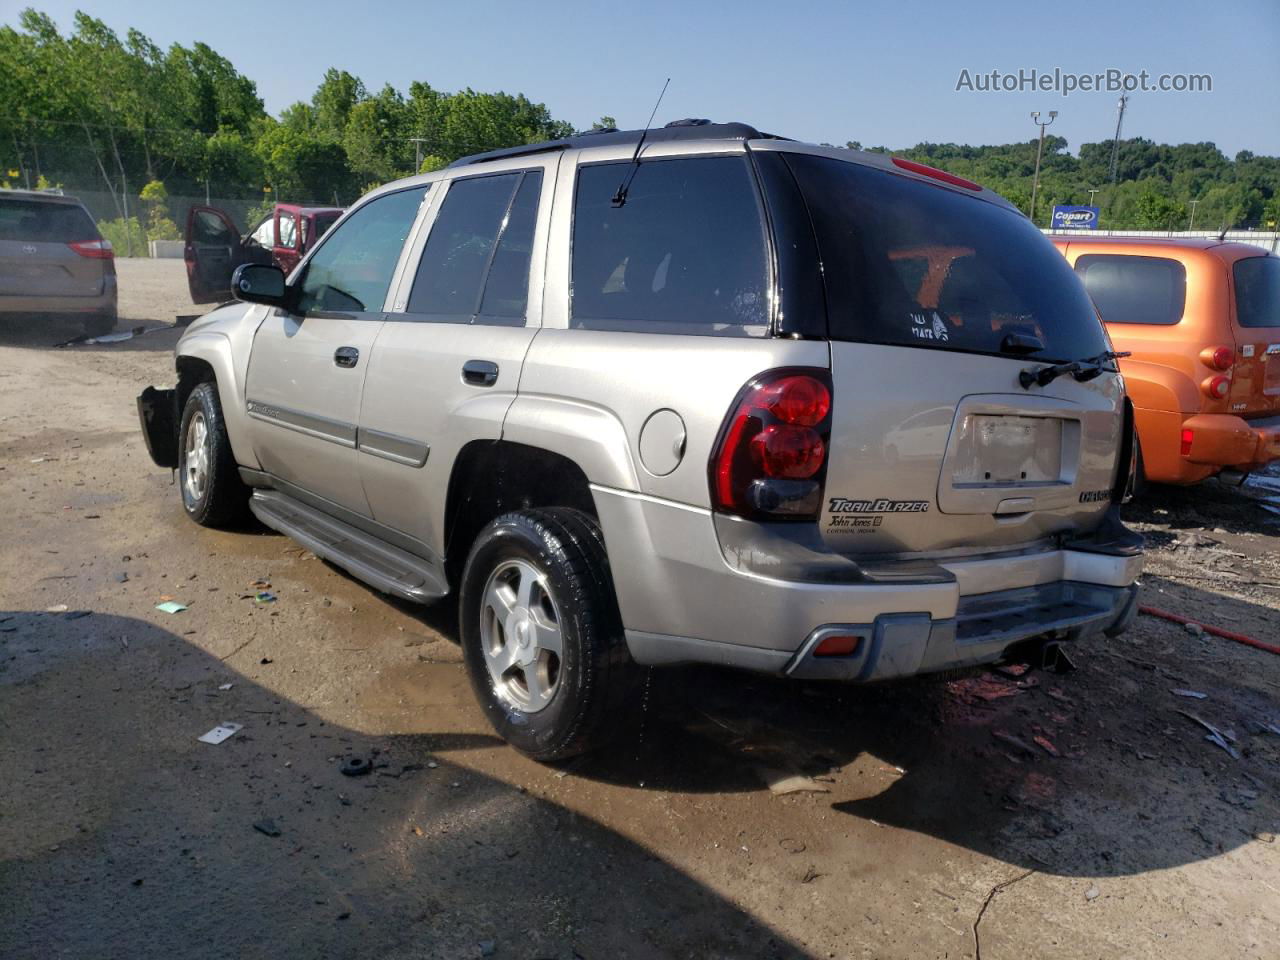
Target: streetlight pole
x,y
1192,224
1035,183
417,146
1092,191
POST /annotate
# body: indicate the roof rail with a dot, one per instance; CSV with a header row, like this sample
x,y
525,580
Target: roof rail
x,y
688,129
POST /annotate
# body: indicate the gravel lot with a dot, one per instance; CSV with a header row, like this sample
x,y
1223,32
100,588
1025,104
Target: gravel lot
x,y
1043,815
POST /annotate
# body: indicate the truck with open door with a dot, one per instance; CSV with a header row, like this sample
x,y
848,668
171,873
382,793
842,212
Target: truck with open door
x,y
215,247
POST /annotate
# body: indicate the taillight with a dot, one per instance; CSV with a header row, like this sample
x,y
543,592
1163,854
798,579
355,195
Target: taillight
x,y
1216,388
771,457
1187,437
1217,358
93,249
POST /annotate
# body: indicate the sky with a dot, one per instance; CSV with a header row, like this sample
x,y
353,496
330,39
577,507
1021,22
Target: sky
x,y
882,73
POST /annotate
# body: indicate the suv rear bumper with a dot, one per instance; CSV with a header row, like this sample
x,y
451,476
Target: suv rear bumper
x,y
681,601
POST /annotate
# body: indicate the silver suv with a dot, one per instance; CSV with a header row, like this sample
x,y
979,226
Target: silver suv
x,y
692,394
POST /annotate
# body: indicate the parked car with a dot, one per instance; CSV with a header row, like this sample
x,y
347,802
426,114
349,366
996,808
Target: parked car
x,y
54,261
214,246
626,395
1202,321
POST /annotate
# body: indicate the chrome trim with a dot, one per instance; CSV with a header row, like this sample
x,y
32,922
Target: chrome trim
x,y
393,447
335,431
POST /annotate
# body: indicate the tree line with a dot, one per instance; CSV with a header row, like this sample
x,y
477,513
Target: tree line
x,y
91,110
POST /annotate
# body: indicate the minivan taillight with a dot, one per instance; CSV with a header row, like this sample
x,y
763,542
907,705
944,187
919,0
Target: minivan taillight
x,y
771,457
93,249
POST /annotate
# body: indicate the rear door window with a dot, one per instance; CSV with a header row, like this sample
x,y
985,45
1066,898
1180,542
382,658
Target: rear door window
x,y
475,265
33,221
1257,281
684,254
1128,289
908,263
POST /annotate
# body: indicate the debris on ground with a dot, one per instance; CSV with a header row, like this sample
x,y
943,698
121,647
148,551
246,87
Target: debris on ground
x,y
223,731
488,948
781,782
1010,740
1092,892
1218,737
1045,744
57,608
171,606
267,827
356,766
225,686
1192,694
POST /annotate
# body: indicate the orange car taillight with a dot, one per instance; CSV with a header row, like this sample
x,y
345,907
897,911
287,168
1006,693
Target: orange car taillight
x,y
1216,388
1188,436
1217,358
772,452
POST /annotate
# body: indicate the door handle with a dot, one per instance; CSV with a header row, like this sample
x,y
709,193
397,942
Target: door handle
x,y
346,356
480,373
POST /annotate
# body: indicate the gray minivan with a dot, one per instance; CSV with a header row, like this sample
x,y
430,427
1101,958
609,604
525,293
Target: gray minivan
x,y
53,260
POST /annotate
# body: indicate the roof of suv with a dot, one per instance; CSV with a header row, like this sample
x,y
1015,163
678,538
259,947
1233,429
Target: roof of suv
x,y
690,129
695,131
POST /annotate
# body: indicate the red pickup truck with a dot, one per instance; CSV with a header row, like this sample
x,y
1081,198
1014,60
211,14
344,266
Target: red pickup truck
x,y
215,246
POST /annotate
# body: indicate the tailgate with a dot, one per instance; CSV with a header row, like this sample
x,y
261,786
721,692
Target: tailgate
x,y
924,463
35,269
1255,378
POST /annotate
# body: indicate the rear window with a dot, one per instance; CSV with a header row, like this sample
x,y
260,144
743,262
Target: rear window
x,y
34,221
1126,289
1258,291
908,263
684,254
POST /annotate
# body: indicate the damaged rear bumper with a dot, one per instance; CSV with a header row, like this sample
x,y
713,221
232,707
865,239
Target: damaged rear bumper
x,y
984,628
158,414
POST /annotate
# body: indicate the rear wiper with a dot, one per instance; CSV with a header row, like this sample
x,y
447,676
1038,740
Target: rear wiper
x,y
1082,370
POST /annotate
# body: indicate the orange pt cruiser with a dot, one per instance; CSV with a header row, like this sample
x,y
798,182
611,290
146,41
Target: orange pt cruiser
x,y
1202,320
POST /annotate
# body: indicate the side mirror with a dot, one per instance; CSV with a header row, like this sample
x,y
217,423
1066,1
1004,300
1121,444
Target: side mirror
x,y
259,283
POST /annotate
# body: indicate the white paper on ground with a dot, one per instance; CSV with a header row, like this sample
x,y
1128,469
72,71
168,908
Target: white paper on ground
x,y
221,732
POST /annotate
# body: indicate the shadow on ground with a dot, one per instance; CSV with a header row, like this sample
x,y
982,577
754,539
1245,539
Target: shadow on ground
x,y
123,836
60,332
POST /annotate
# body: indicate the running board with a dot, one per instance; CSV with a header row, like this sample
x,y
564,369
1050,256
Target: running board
x,y
364,556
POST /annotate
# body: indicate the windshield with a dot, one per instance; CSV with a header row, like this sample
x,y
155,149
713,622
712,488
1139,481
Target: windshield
x,y
35,221
1258,291
912,264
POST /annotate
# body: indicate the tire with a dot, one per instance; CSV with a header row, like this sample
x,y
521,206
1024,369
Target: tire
x,y
531,577
99,324
212,492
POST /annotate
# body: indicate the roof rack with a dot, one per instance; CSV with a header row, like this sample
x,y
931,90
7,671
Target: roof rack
x,y
688,129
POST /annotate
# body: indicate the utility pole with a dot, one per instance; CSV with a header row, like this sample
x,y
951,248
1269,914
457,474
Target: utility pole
x,y
417,146
1035,183
1092,191
1115,144
1192,224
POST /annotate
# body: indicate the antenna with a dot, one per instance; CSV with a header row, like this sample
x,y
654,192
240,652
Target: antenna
x,y
620,197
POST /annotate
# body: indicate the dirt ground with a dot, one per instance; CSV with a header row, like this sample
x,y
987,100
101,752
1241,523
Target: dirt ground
x,y
1043,815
